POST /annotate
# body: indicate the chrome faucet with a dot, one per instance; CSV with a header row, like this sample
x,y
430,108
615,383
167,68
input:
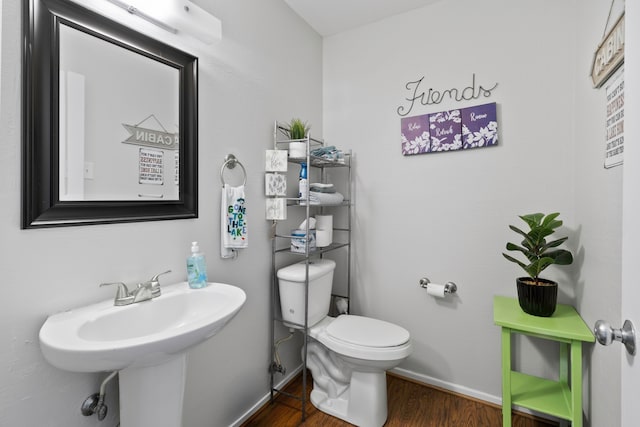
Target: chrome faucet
x,y
144,291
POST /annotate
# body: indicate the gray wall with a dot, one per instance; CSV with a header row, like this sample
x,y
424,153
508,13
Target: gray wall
x,y
246,82
445,215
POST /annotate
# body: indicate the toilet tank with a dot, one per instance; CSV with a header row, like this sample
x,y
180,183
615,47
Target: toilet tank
x,y
291,283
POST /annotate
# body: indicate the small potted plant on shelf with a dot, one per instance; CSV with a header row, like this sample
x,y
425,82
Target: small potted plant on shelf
x,y
297,131
538,296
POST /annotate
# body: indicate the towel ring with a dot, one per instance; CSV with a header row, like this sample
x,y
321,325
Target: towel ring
x,y
230,162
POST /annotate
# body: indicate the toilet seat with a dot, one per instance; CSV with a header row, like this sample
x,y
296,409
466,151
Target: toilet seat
x,y
363,337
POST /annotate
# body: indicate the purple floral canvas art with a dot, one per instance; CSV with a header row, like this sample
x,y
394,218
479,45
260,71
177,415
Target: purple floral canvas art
x,y
445,129
459,129
479,126
415,134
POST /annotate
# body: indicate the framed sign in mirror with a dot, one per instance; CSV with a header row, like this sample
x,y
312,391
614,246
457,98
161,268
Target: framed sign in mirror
x,y
110,121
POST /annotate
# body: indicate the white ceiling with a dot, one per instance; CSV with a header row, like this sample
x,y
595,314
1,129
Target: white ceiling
x,y
330,17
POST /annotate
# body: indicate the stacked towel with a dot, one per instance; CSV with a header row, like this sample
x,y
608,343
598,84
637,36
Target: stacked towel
x,y
319,187
328,153
317,198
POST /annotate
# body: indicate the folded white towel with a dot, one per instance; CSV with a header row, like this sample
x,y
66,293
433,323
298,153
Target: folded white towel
x,y
321,185
233,215
322,188
316,198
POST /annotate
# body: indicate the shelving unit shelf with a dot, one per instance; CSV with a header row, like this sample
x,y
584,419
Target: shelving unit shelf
x,y
281,243
318,251
541,395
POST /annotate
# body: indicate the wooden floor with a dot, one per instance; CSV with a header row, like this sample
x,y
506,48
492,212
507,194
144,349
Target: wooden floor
x,y
410,405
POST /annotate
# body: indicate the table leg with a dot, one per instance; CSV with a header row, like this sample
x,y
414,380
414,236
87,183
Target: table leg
x,y
564,371
506,377
576,383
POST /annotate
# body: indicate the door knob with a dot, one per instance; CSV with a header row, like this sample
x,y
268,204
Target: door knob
x,y
605,334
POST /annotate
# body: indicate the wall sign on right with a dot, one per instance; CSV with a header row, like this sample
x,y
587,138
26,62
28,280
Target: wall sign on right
x,y
609,55
459,129
614,133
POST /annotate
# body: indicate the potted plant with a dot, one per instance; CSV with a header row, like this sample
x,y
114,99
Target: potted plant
x,y
538,296
298,131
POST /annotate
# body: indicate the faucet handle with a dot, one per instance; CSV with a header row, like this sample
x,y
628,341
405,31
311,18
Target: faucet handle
x,y
123,291
154,280
155,283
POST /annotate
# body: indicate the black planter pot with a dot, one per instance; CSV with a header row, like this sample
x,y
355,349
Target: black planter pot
x,y
537,300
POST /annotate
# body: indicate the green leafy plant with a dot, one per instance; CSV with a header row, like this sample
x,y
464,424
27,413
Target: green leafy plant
x,y
540,254
298,129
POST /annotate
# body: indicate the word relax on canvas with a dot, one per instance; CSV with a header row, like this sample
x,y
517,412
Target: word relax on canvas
x,y
433,96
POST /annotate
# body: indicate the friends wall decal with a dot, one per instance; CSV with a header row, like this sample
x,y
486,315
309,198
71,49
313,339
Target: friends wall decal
x,y
432,96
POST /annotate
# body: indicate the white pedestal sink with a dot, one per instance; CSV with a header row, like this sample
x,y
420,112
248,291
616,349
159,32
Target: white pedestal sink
x,y
145,342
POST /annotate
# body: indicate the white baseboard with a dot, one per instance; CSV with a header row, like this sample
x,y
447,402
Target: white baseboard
x,y
259,404
425,379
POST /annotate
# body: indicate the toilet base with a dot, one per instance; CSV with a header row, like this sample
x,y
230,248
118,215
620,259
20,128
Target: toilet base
x,y
363,402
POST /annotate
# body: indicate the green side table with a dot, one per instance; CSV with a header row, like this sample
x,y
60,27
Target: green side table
x,y
562,398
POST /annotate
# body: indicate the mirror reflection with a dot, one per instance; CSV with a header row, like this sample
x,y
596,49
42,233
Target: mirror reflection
x,y
110,121
119,122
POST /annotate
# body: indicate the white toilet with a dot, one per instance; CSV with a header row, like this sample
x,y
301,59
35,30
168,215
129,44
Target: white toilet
x,y
347,355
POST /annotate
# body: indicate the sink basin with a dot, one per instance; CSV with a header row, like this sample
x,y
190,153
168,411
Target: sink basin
x,y
103,337
145,342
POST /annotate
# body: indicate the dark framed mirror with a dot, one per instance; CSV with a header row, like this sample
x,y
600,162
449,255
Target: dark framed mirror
x,y
110,128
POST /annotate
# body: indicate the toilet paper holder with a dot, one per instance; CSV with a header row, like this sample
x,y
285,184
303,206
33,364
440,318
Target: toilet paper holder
x,y
449,287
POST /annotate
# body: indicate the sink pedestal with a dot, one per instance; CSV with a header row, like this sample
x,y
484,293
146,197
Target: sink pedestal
x,y
152,396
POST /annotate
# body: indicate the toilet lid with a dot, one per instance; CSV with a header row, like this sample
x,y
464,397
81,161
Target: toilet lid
x,y
367,332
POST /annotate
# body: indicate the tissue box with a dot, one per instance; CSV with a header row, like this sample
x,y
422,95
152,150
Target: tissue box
x,y
299,239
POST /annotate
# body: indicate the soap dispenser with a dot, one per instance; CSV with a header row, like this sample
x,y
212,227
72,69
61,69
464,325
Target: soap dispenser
x,y
196,268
